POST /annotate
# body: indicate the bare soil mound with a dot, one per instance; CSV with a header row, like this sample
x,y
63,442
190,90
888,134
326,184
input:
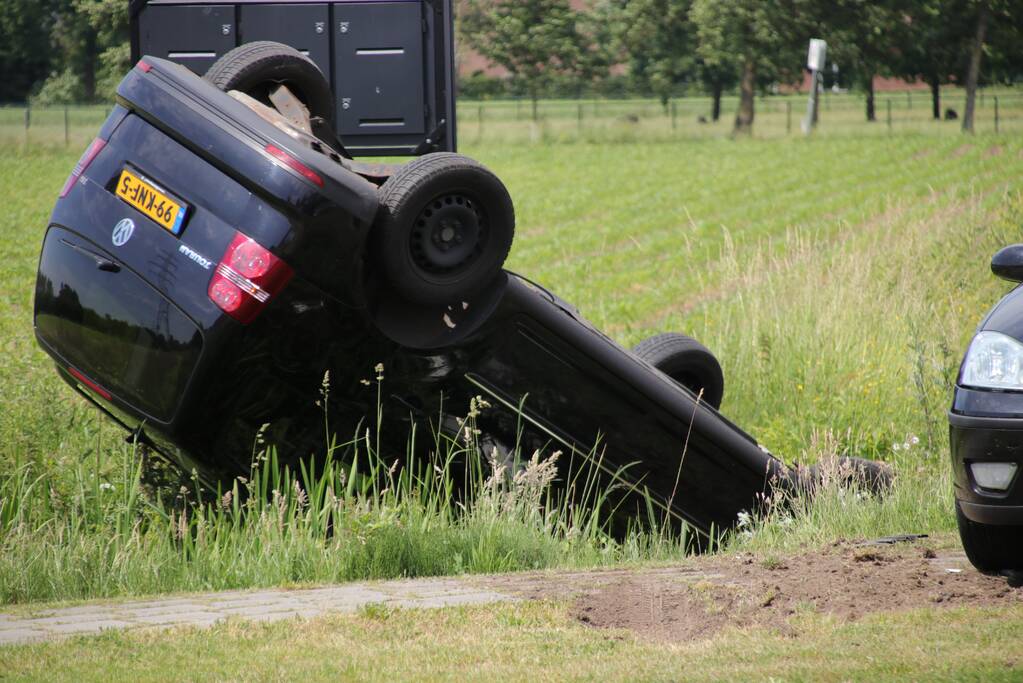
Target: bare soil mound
x,y
695,601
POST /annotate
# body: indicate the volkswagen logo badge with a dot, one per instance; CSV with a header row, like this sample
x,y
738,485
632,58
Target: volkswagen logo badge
x,y
123,232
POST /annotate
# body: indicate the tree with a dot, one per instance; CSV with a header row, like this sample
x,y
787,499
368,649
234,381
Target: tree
x,y
935,52
25,27
90,45
767,40
1003,17
660,43
537,41
865,36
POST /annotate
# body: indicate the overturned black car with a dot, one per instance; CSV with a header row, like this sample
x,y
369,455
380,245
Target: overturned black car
x,y
215,252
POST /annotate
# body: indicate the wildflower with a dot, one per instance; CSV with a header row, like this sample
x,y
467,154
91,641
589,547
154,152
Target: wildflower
x,y
744,520
906,446
914,439
380,371
896,447
225,501
365,382
106,486
300,495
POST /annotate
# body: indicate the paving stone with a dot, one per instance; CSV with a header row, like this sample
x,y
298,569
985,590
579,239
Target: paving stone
x,y
22,635
257,610
262,606
87,627
145,612
76,618
180,618
221,605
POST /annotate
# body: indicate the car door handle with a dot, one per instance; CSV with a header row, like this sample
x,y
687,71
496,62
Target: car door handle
x,y
103,263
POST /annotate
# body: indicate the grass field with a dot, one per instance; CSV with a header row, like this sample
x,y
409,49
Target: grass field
x,y
838,279
540,642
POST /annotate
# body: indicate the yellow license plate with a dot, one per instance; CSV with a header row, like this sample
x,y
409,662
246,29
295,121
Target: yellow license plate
x,y
169,213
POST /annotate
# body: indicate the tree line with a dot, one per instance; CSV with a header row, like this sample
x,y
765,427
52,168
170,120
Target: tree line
x,y
719,46
61,51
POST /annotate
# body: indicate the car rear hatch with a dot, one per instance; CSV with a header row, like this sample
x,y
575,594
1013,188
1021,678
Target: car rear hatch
x,y
115,333
145,226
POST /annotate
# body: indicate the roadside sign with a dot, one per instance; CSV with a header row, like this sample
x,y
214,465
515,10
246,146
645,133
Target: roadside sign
x,y
817,55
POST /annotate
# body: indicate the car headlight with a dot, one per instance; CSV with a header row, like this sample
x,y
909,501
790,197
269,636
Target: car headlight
x,y
994,361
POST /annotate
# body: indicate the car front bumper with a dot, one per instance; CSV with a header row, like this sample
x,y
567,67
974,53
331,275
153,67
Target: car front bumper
x,y
986,426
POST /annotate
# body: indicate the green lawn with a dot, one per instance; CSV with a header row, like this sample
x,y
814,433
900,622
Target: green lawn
x,y
838,279
540,642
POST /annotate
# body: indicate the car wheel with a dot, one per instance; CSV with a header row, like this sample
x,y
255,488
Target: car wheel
x,y
445,227
686,361
989,547
257,68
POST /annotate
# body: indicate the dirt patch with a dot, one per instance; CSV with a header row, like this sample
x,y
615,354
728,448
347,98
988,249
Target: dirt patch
x,y
960,151
993,151
695,601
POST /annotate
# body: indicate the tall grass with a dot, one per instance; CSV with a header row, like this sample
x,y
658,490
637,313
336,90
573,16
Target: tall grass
x,y
839,315
348,515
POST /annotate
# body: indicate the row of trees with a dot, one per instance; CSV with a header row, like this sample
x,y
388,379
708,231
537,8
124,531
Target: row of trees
x,y
62,50
76,50
720,45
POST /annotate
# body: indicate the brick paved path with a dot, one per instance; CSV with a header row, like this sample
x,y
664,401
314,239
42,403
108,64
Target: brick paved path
x,y
268,605
271,605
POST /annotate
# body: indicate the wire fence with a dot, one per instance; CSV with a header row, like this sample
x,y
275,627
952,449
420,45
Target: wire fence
x,y
617,120
691,117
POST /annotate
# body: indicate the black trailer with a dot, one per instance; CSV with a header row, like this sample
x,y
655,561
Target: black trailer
x,y
390,63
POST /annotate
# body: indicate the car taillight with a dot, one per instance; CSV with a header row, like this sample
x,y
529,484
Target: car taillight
x,y
144,66
95,147
294,164
246,279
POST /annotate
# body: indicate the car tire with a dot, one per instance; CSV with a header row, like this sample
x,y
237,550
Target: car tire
x,y
444,229
687,362
991,548
254,68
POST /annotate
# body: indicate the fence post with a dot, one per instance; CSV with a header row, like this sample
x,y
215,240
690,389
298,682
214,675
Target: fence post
x,y
479,122
67,128
579,117
909,99
28,121
674,115
788,117
996,113
888,107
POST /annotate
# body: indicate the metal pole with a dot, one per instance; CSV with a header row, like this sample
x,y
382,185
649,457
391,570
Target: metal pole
x,y
479,122
67,128
996,113
674,115
812,104
28,120
579,117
